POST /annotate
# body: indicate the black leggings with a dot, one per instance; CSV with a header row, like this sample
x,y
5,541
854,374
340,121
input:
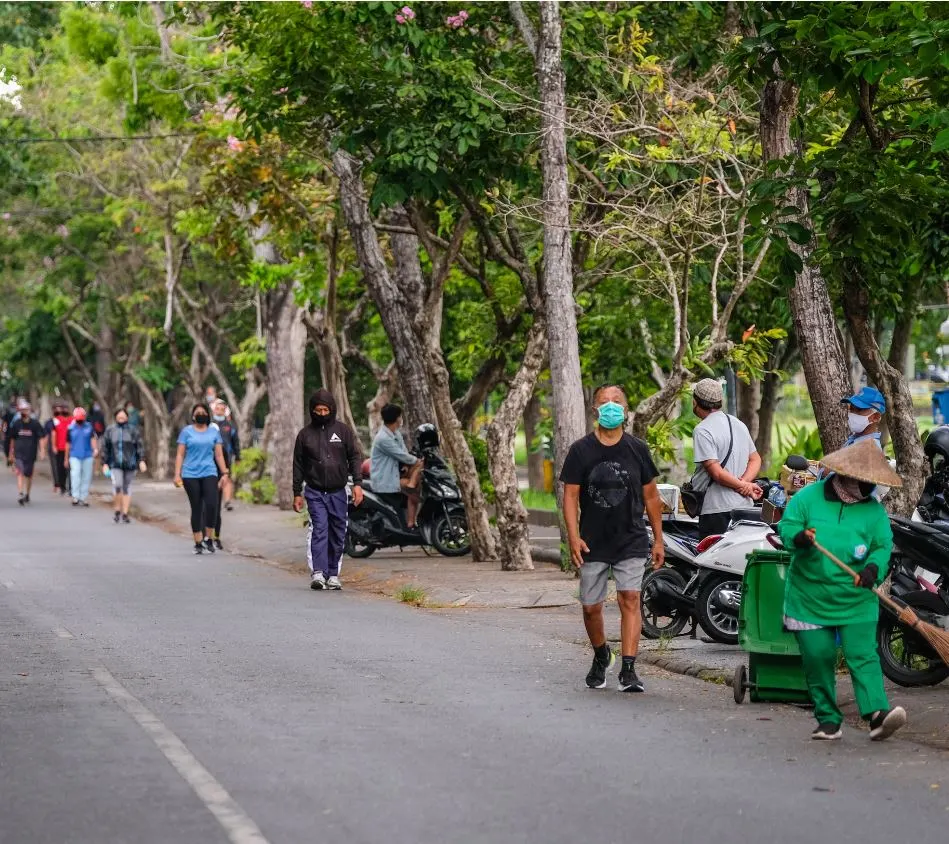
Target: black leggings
x,y
202,493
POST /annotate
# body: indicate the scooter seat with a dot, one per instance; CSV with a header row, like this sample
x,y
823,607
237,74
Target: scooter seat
x,y
747,514
942,526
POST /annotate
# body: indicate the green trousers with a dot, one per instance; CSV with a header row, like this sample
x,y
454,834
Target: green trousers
x,y
819,653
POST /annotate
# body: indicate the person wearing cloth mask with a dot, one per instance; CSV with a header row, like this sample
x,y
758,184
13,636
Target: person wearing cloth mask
x,y
823,603
724,449
82,448
201,470
609,478
25,439
389,455
865,415
232,453
123,453
325,454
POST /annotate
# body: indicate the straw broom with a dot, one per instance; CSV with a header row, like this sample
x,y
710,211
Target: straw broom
x,y
937,638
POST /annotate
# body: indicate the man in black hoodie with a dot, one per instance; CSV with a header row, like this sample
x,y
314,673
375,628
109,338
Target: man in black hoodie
x,y
326,453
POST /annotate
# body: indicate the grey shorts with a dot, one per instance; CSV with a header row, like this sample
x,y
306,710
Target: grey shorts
x,y
595,579
122,480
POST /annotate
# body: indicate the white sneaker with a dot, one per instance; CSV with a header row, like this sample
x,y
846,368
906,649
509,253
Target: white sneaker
x,y
318,581
333,583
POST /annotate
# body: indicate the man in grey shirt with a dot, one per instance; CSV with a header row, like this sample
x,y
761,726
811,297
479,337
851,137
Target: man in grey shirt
x,y
731,474
389,455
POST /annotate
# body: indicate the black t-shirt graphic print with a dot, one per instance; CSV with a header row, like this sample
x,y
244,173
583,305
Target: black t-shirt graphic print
x,y
611,480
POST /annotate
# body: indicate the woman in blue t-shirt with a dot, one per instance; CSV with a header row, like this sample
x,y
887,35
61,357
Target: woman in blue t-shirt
x,y
200,469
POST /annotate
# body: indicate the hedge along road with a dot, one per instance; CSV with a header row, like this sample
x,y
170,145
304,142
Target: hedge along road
x,y
149,695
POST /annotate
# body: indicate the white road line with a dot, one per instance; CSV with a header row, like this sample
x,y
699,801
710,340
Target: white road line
x,y
63,633
238,826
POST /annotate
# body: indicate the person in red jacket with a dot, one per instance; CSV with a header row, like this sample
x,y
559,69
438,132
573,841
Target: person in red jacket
x,y
61,419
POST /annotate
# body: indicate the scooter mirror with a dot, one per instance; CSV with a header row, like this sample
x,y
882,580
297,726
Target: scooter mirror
x,y
797,463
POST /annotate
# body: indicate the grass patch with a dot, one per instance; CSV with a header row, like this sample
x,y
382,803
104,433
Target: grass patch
x,y
520,449
414,595
534,500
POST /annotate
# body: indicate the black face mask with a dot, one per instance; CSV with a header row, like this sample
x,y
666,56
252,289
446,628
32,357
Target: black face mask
x,y
321,421
201,419
122,424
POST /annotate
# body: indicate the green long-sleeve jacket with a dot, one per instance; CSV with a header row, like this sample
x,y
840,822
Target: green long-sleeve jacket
x,y
859,534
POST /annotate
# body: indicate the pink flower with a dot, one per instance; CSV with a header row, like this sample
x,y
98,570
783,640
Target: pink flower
x,y
62,231
282,90
463,15
7,215
401,19
307,4
456,21
408,13
234,143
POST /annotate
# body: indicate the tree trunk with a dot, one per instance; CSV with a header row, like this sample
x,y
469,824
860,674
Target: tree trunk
x,y
387,386
512,515
749,400
285,335
423,375
910,460
768,406
333,372
822,356
286,358
535,457
567,386
406,347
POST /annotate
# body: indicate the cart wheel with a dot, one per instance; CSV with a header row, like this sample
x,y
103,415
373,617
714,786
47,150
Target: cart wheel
x,y
740,683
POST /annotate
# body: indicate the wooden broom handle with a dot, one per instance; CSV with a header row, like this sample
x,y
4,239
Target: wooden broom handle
x,y
844,567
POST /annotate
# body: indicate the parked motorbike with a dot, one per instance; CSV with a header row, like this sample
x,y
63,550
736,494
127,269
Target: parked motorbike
x,y
704,585
441,523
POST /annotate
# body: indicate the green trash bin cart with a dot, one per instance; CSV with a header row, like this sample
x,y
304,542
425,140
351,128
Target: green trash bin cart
x,y
774,672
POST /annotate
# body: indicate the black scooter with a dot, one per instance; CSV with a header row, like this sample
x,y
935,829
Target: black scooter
x,y
442,522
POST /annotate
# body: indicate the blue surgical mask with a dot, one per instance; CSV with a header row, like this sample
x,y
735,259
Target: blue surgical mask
x,y
611,415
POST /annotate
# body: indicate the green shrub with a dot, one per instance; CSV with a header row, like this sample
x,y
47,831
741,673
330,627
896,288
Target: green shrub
x,y
251,483
479,451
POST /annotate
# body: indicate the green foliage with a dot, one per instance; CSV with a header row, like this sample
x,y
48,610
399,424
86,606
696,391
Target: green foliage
x,y
479,450
251,353
411,594
803,440
252,484
536,500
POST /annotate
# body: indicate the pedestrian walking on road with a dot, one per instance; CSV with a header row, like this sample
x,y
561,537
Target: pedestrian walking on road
x,y
325,454
58,442
122,454
201,470
726,453
82,447
822,603
232,453
24,441
609,480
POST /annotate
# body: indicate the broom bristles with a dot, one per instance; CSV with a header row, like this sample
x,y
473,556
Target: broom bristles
x,y
937,638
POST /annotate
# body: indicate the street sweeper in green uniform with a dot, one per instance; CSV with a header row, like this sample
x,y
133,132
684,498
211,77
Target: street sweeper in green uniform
x,y
823,605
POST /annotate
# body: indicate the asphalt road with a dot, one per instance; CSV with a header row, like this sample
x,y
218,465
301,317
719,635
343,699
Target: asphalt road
x,y
147,695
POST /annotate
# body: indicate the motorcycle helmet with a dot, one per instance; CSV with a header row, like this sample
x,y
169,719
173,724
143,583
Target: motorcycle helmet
x,y
426,436
937,446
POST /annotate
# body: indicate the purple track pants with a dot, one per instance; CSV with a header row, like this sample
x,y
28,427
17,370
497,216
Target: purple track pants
x,y
329,517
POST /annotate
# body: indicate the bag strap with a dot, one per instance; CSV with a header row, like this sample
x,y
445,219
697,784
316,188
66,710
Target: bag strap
x,y
731,442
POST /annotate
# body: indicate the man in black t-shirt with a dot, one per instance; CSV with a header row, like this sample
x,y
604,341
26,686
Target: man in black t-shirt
x,y
25,439
609,480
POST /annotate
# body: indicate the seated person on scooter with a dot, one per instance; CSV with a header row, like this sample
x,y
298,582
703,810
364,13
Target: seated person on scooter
x,y
389,455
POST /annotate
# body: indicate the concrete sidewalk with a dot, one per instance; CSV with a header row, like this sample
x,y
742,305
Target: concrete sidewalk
x,y
278,538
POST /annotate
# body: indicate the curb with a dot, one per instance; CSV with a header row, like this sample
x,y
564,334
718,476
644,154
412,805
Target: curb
x,y
687,668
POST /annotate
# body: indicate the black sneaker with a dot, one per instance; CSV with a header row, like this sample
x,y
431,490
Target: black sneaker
x,y
26,498
83,503
827,732
209,546
228,506
886,722
198,548
75,502
629,682
596,679
21,499
217,544
116,517
126,519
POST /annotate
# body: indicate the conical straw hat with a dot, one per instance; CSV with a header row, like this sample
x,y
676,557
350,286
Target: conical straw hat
x,y
865,462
